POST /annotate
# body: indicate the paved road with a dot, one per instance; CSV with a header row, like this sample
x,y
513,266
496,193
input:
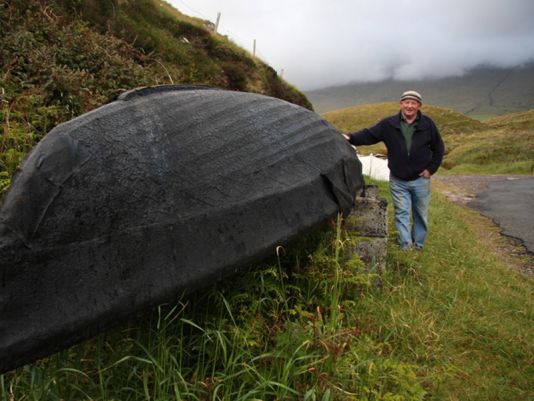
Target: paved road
x,y
510,203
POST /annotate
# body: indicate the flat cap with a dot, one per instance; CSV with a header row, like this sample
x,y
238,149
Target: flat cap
x,y
411,95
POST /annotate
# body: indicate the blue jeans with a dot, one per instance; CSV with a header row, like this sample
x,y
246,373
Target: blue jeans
x,y
411,198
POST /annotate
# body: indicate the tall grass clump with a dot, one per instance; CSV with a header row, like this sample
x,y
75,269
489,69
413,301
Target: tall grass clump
x,y
281,332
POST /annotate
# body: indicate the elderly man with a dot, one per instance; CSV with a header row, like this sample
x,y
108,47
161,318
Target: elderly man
x,y
415,150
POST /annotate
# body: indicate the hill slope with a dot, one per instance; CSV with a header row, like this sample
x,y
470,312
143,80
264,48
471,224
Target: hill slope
x,y
61,58
453,125
501,145
482,91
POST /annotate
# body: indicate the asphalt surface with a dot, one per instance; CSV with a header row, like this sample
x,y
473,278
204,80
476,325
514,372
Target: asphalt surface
x,y
510,204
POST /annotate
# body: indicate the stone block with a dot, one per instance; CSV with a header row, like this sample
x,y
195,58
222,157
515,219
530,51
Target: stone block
x,y
370,192
368,217
367,232
372,252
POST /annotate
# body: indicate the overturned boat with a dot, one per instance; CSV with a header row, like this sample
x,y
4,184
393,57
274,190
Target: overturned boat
x,y
156,194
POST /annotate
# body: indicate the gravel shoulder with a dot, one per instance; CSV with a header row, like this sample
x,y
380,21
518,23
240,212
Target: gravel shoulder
x,y
463,190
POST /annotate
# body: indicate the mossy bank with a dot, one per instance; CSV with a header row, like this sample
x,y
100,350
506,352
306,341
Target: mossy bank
x,y
61,58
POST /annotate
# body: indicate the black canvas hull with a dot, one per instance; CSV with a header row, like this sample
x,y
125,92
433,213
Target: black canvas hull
x,y
156,194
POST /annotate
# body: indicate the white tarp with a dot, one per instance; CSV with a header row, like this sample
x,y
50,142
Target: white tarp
x,y
375,167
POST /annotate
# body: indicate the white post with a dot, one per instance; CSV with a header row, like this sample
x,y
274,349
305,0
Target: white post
x,y
254,48
217,23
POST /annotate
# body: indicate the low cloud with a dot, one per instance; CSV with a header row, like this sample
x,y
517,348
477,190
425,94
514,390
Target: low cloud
x,y
318,43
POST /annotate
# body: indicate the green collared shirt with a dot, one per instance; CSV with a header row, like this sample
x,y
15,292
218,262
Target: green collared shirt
x,y
408,130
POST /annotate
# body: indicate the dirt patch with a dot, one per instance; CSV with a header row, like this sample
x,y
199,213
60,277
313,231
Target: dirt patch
x,y
462,189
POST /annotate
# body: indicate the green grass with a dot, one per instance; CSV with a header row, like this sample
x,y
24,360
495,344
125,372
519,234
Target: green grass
x,y
500,145
67,57
460,312
453,125
454,322
521,121
483,117
523,167
501,150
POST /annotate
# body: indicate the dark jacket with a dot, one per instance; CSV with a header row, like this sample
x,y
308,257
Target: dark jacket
x,y
426,151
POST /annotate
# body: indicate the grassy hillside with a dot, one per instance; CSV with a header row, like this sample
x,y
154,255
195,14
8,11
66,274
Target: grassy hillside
x,y
514,121
452,125
506,146
61,58
453,322
482,91
503,145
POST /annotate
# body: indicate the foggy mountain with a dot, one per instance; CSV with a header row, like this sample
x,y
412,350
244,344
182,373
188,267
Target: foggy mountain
x,y
482,91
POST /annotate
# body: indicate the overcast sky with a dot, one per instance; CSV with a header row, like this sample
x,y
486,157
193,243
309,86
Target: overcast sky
x,y
319,43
